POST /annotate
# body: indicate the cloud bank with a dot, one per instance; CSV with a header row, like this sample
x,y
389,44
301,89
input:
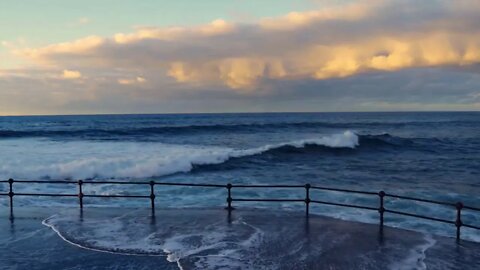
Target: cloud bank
x,y
363,38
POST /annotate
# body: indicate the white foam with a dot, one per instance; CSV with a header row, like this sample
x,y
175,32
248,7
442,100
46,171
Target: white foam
x,y
209,244
37,158
347,139
214,238
416,257
122,246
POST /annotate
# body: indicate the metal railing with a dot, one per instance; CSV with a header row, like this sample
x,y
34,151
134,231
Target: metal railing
x,y
458,206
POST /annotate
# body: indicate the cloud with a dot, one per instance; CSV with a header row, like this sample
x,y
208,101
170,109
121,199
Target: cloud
x,y
409,89
363,55
216,27
295,20
136,80
71,74
334,42
80,47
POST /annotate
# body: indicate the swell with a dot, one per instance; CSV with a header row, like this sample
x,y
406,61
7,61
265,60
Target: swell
x,y
346,141
160,130
214,128
144,160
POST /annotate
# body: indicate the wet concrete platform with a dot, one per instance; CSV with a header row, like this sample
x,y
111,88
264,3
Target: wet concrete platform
x,y
125,238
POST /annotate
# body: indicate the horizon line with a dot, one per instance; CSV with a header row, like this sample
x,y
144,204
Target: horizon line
x,y
214,113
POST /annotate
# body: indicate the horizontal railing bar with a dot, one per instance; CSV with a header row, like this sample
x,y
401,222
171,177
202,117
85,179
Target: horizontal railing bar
x,y
268,186
189,184
3,194
419,199
471,208
45,195
156,183
419,216
115,182
115,196
44,182
471,226
266,200
345,205
344,190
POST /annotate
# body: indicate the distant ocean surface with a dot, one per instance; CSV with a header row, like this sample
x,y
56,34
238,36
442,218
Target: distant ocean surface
x,y
430,155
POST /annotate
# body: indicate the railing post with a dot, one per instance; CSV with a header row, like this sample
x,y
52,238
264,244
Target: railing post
x,y
80,193
152,195
229,197
11,194
381,209
307,199
458,222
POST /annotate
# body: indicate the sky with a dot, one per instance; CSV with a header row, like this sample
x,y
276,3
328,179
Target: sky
x,y
151,56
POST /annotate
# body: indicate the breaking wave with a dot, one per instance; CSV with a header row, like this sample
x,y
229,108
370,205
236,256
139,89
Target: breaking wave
x,y
45,159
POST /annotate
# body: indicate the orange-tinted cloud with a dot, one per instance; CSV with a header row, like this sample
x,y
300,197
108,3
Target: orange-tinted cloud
x,y
71,74
335,42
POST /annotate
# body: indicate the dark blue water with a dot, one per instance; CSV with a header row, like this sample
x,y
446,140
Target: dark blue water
x,y
431,155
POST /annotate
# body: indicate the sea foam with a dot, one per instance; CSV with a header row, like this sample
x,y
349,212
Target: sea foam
x,y
46,159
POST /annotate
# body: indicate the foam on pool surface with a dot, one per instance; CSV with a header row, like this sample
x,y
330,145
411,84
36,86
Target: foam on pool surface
x,y
122,238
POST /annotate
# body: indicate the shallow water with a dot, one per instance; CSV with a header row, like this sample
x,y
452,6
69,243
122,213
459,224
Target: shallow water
x,y
200,238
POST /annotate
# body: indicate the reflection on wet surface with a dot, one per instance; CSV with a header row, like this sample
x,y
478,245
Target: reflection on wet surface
x,y
213,239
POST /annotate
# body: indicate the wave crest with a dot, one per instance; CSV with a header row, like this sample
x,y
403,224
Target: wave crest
x,y
108,160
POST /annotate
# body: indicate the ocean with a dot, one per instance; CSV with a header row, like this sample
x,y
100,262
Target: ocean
x,y
433,155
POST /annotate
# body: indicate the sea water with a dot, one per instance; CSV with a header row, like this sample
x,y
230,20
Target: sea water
x,y
434,155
